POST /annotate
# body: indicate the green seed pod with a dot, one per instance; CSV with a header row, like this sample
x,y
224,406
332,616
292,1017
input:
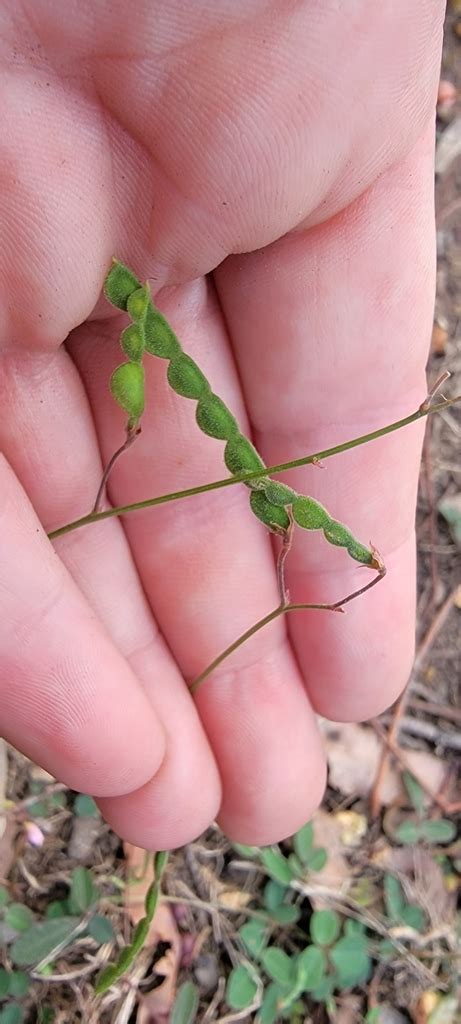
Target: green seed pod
x,y
185,377
279,494
214,418
159,339
359,552
337,533
138,302
241,456
127,387
309,514
132,343
120,283
271,515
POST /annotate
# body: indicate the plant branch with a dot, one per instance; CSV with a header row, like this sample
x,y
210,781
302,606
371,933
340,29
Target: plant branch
x,y
281,609
95,517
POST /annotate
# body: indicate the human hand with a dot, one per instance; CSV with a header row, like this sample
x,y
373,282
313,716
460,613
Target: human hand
x,y
286,150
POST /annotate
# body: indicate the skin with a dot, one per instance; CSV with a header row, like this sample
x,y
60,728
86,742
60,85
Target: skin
x,y
268,166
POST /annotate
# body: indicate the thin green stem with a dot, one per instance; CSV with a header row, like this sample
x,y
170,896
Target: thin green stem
x,y
281,609
120,510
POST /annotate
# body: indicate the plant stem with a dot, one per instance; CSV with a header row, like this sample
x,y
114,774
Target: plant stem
x,y
130,439
337,606
120,510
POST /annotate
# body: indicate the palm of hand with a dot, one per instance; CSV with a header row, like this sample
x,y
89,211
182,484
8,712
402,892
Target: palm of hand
x,y
173,142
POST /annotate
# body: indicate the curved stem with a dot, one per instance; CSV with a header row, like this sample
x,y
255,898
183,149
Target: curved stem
x,y
130,439
120,510
337,606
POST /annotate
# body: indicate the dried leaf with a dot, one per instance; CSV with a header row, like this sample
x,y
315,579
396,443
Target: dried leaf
x,y
234,899
336,874
353,827
155,1007
354,752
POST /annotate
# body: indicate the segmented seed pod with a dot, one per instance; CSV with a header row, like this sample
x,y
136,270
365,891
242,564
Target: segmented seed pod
x,y
138,302
336,533
185,377
119,284
214,418
127,387
273,516
241,456
310,514
159,338
279,494
132,342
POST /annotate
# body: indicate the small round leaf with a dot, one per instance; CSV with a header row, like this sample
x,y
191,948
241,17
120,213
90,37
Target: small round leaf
x,y
325,926
241,988
185,1006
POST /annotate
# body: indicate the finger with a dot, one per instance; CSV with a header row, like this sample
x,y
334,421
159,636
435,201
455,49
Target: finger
x,y
207,568
48,434
331,330
61,677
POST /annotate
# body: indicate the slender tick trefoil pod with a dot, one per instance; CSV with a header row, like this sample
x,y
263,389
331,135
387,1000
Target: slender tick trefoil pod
x,y
275,504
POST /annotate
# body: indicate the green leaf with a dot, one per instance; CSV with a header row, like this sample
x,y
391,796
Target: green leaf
x,y
303,842
297,868
352,927
438,830
287,913
4,982
318,858
323,992
310,968
254,937
274,894
83,892
241,988
269,1011
18,917
57,908
12,1014
276,864
185,1006
4,896
40,940
415,791
450,509
351,960
408,832
100,929
46,1015
325,926
85,807
387,949
414,916
38,810
393,898
373,1016
278,965
249,852
19,984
